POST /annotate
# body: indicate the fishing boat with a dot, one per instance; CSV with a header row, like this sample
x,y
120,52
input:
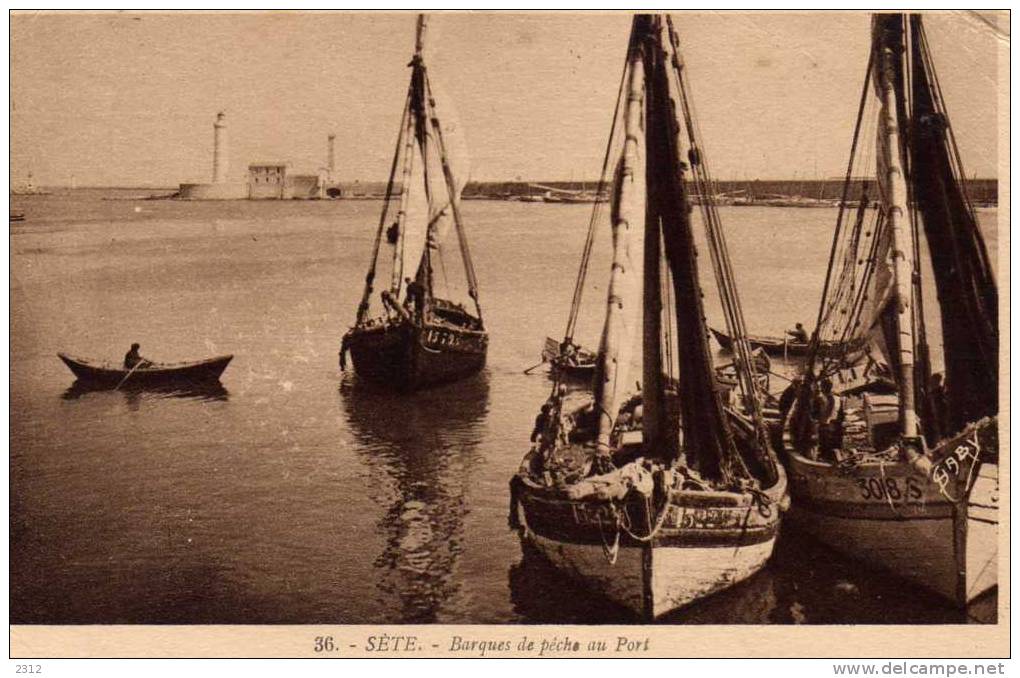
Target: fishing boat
x,y
101,374
783,346
657,498
420,336
906,480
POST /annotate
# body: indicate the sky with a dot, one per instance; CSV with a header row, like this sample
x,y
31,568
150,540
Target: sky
x,y
122,99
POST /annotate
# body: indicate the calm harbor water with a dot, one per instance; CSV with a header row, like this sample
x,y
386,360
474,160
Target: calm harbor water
x,y
295,493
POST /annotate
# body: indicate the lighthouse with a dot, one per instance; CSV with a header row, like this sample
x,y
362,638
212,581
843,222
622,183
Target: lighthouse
x,y
221,188
331,156
220,163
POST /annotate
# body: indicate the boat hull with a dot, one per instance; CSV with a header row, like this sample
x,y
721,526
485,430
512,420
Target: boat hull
x,y
408,356
705,544
101,375
887,515
776,345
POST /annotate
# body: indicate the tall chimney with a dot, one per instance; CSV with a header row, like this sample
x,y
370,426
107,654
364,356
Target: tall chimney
x,y
331,156
220,162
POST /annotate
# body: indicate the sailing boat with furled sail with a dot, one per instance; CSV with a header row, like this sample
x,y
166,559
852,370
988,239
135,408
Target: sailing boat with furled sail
x,y
887,463
419,338
657,498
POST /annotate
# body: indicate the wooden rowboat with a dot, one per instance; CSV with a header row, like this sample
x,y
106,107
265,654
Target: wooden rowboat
x,y
578,366
777,345
96,373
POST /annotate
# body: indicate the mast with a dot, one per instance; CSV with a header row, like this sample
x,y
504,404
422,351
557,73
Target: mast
x,y
708,443
722,267
627,219
890,66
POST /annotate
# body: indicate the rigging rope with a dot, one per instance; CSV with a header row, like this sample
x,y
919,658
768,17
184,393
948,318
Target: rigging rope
x,y
582,273
451,188
370,276
813,349
725,277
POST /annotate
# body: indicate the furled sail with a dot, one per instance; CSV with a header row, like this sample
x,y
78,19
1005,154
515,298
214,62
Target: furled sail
x,y
892,319
623,314
967,293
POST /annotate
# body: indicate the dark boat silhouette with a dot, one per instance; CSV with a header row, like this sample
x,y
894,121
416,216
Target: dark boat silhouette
x,y
97,374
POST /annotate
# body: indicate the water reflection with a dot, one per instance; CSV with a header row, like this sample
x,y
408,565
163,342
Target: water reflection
x,y
424,444
134,394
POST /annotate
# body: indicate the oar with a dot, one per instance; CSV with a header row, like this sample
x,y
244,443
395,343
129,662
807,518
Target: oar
x,y
130,372
528,371
781,376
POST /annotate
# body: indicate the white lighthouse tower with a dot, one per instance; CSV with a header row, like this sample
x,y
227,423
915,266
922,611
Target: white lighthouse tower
x,y
220,161
331,156
221,188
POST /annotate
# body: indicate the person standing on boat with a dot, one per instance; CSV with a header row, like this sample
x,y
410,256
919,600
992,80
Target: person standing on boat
x,y
799,334
133,359
788,397
415,297
568,352
830,421
541,423
803,417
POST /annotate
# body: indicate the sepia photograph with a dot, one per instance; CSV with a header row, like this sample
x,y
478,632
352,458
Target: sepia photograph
x,y
583,319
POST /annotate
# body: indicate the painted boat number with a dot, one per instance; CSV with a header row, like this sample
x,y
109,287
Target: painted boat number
x,y
702,518
883,489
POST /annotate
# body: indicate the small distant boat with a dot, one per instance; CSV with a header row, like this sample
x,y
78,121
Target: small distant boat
x,y
97,373
777,345
580,364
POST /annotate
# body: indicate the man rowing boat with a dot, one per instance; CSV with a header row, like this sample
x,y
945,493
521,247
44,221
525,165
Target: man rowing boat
x,y
799,334
133,359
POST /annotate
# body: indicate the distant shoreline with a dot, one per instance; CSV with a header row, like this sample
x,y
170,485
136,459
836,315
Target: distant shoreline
x,y
803,192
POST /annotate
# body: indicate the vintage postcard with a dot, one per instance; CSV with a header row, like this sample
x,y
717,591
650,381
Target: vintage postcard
x,y
509,334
